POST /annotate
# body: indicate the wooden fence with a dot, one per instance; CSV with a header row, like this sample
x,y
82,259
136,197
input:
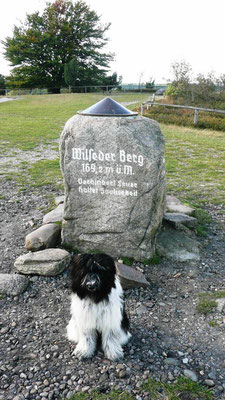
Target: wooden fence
x,y
196,109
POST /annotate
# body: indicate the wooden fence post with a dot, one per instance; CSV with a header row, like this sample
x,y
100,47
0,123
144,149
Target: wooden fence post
x,y
196,117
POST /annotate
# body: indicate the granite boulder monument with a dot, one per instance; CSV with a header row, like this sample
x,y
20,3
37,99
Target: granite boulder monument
x,y
113,165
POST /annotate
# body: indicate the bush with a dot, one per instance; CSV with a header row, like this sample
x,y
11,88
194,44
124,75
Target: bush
x,y
24,92
185,117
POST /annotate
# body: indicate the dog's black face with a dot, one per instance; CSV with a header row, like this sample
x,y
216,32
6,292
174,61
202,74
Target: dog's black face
x,y
93,276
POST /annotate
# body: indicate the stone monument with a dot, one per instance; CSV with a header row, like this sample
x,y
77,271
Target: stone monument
x,y
112,161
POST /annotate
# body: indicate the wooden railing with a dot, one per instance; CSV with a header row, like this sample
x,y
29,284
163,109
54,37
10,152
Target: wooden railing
x,y
196,109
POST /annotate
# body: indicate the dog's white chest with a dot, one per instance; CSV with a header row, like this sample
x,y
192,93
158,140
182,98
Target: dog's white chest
x,y
98,316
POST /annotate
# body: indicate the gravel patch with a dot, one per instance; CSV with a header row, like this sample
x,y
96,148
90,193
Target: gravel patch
x,y
169,337
4,99
13,159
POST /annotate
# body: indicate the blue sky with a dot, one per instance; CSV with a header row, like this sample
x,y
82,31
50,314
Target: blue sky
x,y
147,36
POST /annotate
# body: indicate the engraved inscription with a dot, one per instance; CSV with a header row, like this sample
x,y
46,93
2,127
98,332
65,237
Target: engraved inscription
x,y
94,166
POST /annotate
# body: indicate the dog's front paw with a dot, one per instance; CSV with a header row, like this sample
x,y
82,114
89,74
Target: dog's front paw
x,y
113,354
81,353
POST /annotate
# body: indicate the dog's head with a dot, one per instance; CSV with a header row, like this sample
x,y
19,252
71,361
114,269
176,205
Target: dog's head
x,y
93,275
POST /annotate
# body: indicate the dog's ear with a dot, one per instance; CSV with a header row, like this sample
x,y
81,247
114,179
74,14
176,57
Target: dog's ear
x,y
74,266
80,261
105,261
76,259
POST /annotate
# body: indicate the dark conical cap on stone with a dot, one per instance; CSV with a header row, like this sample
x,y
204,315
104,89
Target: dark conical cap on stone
x,y
107,108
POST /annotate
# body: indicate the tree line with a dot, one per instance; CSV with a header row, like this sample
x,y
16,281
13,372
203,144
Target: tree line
x,y
204,89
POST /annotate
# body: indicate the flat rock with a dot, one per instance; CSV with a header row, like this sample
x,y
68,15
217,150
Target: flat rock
x,y
141,310
59,200
174,205
191,375
49,262
55,215
180,209
42,238
171,361
130,277
13,284
177,219
209,382
177,246
220,304
172,200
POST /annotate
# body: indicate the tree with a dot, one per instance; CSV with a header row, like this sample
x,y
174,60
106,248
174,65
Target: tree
x,y
2,82
76,75
112,80
205,89
181,84
2,85
41,46
221,83
181,71
150,84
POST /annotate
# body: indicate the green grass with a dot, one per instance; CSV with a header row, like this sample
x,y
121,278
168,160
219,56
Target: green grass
x,y
207,303
195,164
182,389
127,260
206,306
195,161
214,324
204,219
154,260
94,251
40,173
113,395
32,120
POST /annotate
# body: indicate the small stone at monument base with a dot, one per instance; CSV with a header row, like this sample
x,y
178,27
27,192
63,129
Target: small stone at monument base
x,y
55,215
174,205
13,284
175,219
130,277
177,246
59,200
42,238
49,262
180,209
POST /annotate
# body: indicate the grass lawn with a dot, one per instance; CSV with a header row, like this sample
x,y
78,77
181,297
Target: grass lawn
x,y
195,164
195,159
34,119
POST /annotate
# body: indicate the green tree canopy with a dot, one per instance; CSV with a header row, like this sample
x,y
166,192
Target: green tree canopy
x,y
77,75
41,46
2,81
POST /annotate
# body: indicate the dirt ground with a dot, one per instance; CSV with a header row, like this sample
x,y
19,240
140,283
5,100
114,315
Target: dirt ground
x,y
170,338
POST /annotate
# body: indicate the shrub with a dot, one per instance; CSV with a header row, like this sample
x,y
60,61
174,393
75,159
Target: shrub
x,y
185,117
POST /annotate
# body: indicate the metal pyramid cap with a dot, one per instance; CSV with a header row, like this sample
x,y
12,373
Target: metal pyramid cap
x,y
107,108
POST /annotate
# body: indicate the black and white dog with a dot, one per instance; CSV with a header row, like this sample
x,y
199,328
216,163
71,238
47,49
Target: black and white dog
x,y
97,307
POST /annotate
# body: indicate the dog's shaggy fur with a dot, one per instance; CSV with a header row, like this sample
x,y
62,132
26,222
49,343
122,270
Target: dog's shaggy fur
x,y
97,307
